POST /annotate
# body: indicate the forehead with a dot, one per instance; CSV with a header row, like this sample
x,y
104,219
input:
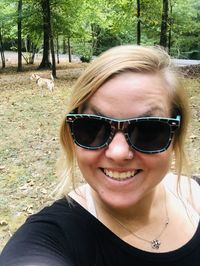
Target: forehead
x,y
129,95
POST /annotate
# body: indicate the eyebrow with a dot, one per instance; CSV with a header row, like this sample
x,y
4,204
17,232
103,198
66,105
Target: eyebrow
x,y
152,112
93,109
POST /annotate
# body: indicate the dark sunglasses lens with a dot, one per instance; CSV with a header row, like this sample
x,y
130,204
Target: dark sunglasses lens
x,y
90,132
149,136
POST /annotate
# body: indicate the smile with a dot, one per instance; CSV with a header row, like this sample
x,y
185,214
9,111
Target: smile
x,y
120,176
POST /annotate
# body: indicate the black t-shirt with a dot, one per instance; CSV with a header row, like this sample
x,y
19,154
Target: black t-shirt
x,y
66,234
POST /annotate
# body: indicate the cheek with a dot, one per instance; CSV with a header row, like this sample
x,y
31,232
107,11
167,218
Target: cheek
x,y
87,158
89,164
159,161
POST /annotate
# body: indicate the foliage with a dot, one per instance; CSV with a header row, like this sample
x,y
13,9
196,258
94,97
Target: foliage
x,y
91,26
186,30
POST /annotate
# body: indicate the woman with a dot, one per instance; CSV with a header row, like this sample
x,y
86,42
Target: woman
x,y
126,121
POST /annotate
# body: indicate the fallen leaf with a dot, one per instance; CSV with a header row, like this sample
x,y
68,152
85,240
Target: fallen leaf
x,y
43,191
3,223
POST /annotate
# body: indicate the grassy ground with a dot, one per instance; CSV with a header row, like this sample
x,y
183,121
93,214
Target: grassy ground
x,y
29,144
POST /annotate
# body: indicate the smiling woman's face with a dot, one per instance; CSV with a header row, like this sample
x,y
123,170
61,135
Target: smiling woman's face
x,y
119,175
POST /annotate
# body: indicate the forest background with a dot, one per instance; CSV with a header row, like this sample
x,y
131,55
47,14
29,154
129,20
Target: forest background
x,y
61,37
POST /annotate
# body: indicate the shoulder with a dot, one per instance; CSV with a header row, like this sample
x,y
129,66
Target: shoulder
x,y
51,233
65,215
53,222
187,188
54,212
195,195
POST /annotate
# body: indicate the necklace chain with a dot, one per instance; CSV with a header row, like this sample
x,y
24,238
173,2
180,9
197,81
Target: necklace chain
x,y
155,243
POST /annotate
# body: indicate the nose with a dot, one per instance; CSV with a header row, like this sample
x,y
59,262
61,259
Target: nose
x,y
119,149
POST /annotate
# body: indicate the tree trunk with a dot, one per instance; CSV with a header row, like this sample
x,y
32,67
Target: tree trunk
x,y
164,23
51,39
2,51
64,46
53,57
170,29
57,49
138,23
28,45
46,35
19,32
69,49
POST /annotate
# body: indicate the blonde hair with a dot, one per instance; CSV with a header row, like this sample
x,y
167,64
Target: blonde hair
x,y
117,60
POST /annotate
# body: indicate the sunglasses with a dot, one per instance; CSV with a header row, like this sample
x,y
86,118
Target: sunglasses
x,y
144,134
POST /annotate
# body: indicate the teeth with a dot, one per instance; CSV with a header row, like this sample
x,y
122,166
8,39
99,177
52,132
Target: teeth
x,y
120,175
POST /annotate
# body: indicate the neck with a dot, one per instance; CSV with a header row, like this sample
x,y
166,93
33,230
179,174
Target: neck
x,y
139,226
144,212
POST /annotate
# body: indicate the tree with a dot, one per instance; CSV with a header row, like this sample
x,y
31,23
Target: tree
x,y
46,37
164,22
138,23
2,50
51,39
170,26
19,40
7,24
